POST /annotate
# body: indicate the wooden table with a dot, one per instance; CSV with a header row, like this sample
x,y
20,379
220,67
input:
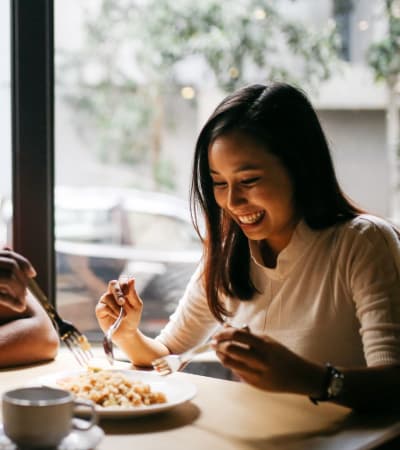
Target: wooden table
x,y
227,415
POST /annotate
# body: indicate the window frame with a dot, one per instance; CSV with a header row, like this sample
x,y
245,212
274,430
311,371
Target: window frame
x,y
32,105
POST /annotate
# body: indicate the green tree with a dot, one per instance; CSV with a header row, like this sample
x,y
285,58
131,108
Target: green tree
x,y
134,50
384,58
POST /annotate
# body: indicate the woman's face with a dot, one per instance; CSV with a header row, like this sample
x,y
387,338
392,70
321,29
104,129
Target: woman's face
x,y
254,188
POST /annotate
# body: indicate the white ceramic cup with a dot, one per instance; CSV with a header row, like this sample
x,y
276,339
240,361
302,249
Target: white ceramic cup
x,y
40,417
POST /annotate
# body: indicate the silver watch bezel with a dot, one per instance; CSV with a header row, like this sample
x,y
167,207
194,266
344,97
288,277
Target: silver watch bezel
x,y
335,386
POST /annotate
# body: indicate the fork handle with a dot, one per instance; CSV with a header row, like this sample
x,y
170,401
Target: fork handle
x,y
44,301
116,324
196,350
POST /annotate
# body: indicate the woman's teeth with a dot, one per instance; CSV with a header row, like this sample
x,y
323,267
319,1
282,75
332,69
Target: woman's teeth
x,y
251,218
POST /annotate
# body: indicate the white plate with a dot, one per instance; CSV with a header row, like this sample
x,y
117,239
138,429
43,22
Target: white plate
x,y
76,440
176,391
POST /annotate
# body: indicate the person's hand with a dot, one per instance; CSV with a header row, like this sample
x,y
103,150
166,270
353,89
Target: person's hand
x,y
15,271
263,362
108,307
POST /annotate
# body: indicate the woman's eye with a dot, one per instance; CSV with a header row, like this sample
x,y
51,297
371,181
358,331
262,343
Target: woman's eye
x,y
249,181
219,183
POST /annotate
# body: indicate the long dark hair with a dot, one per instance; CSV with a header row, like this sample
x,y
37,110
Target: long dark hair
x,y
281,118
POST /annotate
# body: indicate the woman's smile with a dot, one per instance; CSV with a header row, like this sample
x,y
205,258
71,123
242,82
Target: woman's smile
x,y
251,219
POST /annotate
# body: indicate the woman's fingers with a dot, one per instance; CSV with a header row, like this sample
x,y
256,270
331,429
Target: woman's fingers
x,y
103,310
229,351
243,336
242,365
108,303
131,295
117,292
105,314
239,348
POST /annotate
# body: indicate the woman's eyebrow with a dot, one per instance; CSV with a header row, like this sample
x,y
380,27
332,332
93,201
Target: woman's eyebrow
x,y
239,169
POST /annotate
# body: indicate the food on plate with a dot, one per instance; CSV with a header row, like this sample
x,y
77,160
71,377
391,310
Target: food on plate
x,y
84,343
111,389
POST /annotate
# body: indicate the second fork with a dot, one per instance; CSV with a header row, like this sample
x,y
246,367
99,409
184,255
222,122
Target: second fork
x,y
172,363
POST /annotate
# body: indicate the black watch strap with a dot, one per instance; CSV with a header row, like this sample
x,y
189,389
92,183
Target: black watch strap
x,y
332,386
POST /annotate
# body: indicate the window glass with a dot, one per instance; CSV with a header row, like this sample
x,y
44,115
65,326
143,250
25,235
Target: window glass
x,y
5,127
135,81
121,199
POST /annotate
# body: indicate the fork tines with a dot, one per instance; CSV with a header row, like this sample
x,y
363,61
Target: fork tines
x,y
171,363
78,344
161,366
168,364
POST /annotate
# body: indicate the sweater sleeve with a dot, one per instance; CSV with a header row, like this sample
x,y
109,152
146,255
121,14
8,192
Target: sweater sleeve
x,y
372,272
192,322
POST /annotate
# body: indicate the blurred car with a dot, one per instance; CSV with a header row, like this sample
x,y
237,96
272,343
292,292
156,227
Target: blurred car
x,y
103,233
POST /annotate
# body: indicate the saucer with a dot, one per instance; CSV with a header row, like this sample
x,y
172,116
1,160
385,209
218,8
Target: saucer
x,y
76,440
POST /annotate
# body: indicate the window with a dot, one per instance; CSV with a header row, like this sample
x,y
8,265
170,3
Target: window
x,y
342,10
122,170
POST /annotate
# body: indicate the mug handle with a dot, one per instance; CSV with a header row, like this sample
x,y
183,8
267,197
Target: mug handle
x,y
86,423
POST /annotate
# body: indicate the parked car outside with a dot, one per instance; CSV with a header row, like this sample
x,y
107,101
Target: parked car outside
x,y
103,233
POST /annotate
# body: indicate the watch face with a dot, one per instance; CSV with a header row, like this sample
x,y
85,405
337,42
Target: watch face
x,y
335,386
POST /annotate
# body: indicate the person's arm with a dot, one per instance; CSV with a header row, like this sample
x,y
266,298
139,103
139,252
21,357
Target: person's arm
x,y
191,323
141,349
27,336
371,388
268,365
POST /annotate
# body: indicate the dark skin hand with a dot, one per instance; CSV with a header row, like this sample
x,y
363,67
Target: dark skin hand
x,y
15,271
26,333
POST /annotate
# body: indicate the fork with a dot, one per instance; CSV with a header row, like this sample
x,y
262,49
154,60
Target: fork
x,y
107,341
76,341
172,363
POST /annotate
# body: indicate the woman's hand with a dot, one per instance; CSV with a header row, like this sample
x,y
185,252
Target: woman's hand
x,y
265,363
108,307
15,271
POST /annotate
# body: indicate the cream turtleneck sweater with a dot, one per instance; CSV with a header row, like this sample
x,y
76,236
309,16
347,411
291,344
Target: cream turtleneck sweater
x,y
334,296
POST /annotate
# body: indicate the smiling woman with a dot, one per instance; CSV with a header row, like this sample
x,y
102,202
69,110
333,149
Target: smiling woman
x,y
315,278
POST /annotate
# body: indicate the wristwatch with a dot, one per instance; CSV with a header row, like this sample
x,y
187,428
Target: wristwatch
x,y
333,385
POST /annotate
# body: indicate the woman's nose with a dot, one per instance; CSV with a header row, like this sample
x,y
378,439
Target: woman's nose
x,y
235,197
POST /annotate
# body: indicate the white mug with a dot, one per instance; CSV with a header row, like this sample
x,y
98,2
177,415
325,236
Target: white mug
x,y
40,417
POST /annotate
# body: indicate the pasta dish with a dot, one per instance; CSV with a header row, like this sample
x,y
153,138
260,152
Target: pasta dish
x,y
111,389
